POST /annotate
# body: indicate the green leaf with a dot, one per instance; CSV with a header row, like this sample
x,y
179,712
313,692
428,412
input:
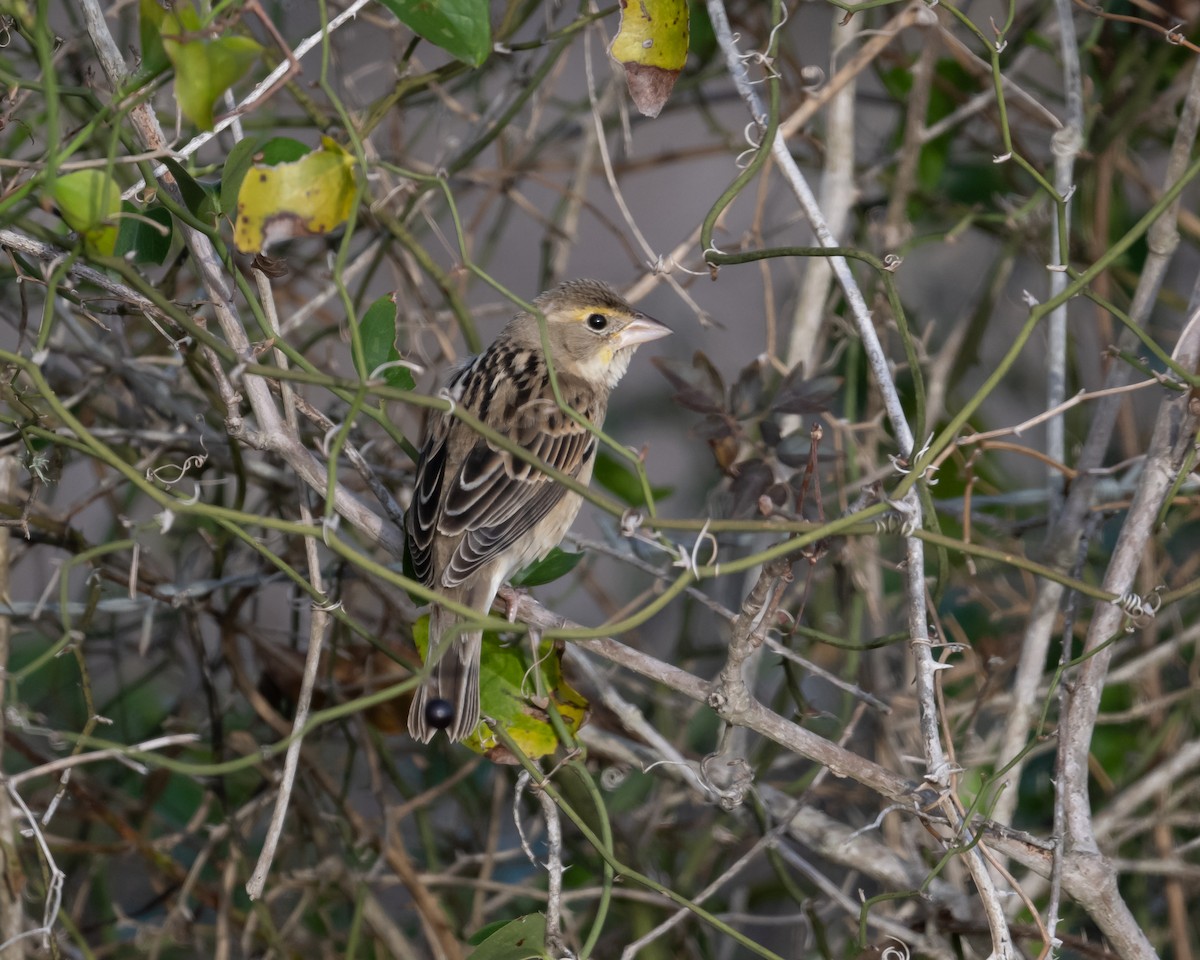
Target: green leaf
x,y
486,931
283,150
622,482
150,21
147,243
196,197
377,329
204,69
508,682
460,27
652,33
89,201
703,40
520,939
239,161
557,563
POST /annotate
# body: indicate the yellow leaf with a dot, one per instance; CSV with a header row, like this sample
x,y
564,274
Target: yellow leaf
x,y
652,46
653,33
309,196
507,686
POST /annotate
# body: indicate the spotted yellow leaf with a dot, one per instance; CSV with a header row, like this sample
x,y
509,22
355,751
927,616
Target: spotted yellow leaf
x,y
652,46
306,197
508,696
508,687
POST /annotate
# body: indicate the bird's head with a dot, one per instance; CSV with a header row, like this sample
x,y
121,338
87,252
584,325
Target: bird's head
x,y
591,330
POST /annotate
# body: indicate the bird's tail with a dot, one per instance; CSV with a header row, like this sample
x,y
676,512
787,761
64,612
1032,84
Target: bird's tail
x,y
449,698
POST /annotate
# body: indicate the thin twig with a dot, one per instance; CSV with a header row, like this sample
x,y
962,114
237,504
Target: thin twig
x,y
838,195
555,944
1065,145
95,756
55,877
318,625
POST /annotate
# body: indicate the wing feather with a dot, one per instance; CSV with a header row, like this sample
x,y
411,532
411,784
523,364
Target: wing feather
x,y
495,498
479,547
426,502
471,500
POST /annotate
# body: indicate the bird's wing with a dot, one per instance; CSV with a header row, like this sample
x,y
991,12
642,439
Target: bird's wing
x,y
426,501
494,499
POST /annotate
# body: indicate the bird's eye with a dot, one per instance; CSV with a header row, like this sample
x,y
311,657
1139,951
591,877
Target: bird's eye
x,y
597,322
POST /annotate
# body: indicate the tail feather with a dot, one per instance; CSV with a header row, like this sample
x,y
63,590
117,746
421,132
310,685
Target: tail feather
x,y
453,676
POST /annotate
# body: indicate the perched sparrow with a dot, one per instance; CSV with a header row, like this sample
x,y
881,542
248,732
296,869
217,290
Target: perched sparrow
x,y
480,514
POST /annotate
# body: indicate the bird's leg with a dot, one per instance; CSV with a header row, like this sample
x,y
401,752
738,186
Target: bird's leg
x,y
511,597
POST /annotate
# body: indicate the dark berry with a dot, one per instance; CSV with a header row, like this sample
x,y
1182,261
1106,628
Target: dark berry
x,y
439,713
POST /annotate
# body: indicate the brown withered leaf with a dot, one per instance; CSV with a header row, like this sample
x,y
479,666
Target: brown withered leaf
x,y
793,449
798,395
770,431
649,87
710,380
716,426
753,479
698,387
777,495
723,434
746,395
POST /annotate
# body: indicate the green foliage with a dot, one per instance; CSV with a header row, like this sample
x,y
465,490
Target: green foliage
x,y
151,16
204,68
517,695
377,328
702,41
619,480
144,242
244,155
555,565
201,200
305,197
460,27
518,939
89,201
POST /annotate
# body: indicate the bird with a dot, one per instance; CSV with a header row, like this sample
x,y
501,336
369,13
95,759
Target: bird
x,y
479,513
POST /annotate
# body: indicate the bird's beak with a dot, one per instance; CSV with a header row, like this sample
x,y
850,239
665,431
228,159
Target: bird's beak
x,y
641,329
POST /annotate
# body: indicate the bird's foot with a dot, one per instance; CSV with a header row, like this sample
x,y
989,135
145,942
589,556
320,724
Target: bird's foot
x,y
511,597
